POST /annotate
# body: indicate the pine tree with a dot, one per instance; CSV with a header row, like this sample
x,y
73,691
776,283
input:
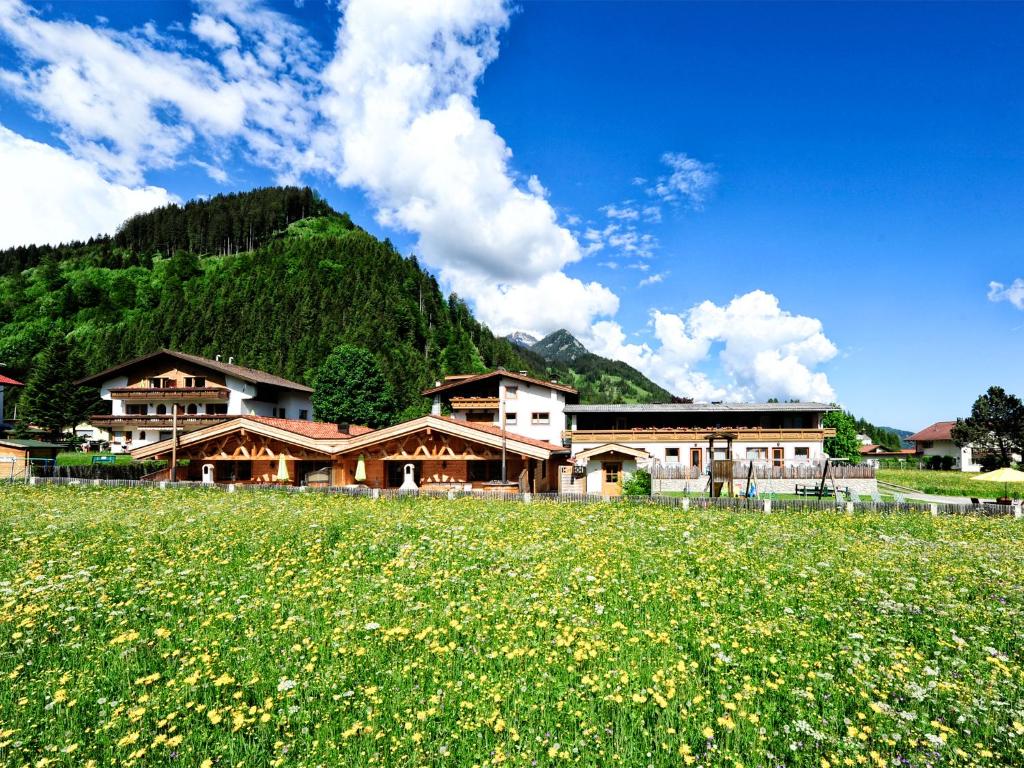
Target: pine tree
x,y
51,399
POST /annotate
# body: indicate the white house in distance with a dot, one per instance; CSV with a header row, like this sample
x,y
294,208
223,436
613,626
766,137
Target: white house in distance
x,y
937,440
519,403
145,393
609,442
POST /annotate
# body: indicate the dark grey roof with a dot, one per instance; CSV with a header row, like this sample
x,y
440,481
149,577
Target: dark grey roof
x,y
28,443
241,372
699,408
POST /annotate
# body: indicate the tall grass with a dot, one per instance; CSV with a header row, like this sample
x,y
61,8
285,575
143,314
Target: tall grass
x,y
147,627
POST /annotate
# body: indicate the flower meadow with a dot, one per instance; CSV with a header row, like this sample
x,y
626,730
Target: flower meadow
x,y
200,628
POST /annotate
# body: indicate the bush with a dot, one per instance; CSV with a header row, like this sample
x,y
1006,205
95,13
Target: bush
x,y
637,484
947,463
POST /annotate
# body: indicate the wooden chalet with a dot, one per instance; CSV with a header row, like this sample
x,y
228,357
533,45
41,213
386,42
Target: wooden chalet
x,y
445,454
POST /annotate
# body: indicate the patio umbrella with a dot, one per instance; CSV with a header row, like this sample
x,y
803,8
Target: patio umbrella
x,y
282,468
361,470
1005,475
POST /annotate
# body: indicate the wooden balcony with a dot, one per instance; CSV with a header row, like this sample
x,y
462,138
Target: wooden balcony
x,y
695,435
166,394
165,421
474,403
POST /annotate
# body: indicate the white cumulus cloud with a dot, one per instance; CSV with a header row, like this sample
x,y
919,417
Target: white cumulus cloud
x,y
761,350
1014,293
403,126
45,184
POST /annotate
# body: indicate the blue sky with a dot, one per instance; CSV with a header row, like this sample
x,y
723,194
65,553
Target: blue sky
x,y
847,181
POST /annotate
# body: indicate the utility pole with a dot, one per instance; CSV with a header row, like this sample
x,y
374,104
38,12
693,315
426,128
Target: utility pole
x,y
501,409
174,442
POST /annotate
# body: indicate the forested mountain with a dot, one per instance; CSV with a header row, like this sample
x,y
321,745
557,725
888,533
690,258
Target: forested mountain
x,y
890,439
273,278
598,379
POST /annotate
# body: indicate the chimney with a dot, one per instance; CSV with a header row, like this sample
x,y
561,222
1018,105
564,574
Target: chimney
x,y
217,358
343,426
231,361
523,373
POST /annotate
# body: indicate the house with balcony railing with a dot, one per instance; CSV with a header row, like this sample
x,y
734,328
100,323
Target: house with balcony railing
x,y
155,395
783,441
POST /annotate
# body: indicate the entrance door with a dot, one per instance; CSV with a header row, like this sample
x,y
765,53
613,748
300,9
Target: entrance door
x,y
696,460
777,457
611,483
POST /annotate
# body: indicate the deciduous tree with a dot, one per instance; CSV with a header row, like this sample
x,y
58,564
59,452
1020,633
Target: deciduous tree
x,y
995,428
350,387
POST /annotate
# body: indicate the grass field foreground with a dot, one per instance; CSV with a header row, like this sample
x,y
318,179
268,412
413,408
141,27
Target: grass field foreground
x,y
195,628
948,483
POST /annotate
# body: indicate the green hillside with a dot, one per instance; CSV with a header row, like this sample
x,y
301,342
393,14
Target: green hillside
x,y
274,278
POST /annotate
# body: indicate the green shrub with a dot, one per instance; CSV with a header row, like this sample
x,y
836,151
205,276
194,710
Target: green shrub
x,y
637,484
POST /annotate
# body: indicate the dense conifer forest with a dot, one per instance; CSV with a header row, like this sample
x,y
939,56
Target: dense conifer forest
x,y
274,278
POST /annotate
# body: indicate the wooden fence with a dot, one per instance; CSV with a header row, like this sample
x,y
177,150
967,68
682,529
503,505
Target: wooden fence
x,y
765,471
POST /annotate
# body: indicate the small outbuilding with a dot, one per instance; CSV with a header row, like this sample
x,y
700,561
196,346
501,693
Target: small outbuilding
x,y
16,455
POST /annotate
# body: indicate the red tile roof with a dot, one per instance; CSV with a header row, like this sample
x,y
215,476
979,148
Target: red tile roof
x,y
940,430
498,431
9,382
453,382
318,430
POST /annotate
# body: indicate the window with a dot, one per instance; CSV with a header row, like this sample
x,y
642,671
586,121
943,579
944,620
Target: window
x,y
161,410
482,471
165,434
217,409
511,392
142,435
192,409
696,458
611,471
304,414
510,419
160,383
620,422
136,410
484,417
279,413
757,454
802,453
541,418
671,454
195,381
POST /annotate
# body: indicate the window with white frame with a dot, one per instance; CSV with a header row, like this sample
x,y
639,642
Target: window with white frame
x,y
757,454
671,454
510,418
542,417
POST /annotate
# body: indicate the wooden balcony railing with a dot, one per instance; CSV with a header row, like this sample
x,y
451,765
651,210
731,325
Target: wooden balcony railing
x,y
474,403
694,435
764,471
152,394
162,421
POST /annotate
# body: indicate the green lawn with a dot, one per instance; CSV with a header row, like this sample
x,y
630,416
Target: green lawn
x,y
201,628
948,483
78,458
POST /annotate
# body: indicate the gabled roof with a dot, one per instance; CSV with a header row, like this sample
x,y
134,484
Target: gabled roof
x,y
7,381
326,438
940,430
453,382
601,450
318,430
699,407
248,374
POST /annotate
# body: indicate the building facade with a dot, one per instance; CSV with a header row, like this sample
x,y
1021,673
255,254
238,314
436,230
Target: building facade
x,y
5,381
152,395
937,440
683,439
431,453
513,401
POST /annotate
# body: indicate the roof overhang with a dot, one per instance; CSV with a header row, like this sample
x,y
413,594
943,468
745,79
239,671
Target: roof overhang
x,y
339,446
607,448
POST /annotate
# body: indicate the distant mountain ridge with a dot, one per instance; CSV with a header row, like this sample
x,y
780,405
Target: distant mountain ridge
x,y
598,379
